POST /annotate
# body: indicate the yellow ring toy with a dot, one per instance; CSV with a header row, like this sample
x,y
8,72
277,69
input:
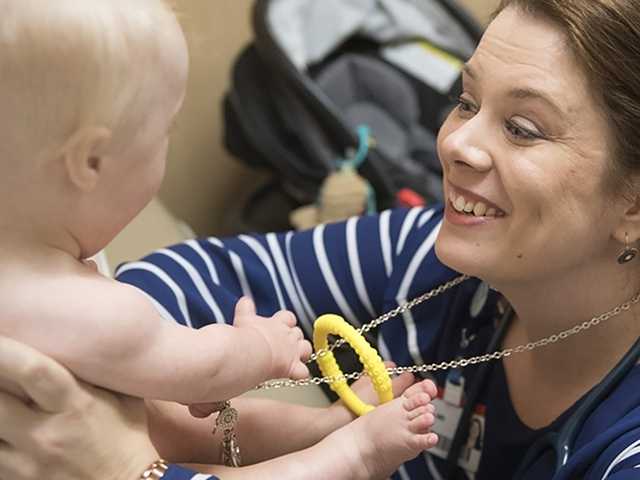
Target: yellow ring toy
x,y
373,365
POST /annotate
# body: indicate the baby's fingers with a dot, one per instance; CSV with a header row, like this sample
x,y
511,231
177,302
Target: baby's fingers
x,y
245,308
203,410
296,332
299,371
305,349
286,317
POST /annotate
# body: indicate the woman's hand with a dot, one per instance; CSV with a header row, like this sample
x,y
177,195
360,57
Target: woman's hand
x,y
54,427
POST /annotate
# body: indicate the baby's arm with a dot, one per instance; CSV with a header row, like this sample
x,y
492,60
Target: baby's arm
x,y
110,335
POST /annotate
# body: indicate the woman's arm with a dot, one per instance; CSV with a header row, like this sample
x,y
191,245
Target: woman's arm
x,y
342,268
266,428
358,269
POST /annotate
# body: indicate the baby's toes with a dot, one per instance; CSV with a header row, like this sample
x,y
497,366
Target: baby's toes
x,y
416,400
416,412
423,441
424,386
299,371
421,423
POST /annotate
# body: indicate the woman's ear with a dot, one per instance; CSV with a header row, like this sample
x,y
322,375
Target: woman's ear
x,y
83,156
629,228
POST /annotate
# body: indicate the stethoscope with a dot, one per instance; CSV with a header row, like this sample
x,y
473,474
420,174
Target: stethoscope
x,y
561,442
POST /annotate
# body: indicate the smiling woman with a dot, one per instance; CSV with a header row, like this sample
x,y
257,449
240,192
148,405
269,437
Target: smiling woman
x,y
542,207
534,144
540,162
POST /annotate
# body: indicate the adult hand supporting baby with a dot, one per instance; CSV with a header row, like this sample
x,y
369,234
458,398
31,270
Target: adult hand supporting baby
x,y
53,426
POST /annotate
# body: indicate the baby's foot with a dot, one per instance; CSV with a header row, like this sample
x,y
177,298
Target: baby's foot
x,y
376,444
363,388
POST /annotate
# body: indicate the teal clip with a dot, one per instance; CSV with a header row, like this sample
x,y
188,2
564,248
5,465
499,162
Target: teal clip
x,y
358,158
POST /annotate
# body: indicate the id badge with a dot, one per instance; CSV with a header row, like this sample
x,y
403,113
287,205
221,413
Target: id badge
x,y
449,405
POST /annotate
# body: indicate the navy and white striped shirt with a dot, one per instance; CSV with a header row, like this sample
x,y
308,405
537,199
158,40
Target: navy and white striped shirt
x,y
360,269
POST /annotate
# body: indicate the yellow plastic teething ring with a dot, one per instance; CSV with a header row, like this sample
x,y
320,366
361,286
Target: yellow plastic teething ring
x,y
373,365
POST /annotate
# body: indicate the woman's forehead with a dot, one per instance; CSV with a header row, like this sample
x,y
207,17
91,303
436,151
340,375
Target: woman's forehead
x,y
523,56
516,39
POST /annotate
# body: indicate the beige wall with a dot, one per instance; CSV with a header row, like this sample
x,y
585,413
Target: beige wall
x,y
202,180
480,8
201,177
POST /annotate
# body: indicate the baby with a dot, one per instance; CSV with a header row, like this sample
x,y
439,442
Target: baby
x,y
88,93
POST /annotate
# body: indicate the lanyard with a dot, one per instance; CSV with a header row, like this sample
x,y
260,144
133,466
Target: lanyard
x,y
478,382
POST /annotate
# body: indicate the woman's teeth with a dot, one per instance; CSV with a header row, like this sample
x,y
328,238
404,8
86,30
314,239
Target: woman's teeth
x,y
478,209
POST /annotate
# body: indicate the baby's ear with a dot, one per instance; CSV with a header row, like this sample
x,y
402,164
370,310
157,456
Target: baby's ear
x,y
83,156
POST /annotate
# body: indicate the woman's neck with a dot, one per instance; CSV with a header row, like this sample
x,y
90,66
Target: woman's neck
x,y
559,304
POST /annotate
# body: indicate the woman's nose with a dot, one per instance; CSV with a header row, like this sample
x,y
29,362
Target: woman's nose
x,y
468,147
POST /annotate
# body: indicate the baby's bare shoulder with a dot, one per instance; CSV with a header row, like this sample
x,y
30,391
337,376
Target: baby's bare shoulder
x,y
29,297
86,322
33,302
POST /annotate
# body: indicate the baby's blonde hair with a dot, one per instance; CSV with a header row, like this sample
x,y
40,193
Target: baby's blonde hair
x,y
66,64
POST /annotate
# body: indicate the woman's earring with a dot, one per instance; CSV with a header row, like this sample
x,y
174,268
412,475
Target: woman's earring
x,y
629,253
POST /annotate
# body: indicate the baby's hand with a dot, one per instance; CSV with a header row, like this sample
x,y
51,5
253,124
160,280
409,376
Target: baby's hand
x,y
203,410
286,342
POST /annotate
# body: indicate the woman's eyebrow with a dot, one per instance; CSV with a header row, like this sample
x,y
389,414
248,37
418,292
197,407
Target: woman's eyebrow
x,y
527,93
521,93
468,70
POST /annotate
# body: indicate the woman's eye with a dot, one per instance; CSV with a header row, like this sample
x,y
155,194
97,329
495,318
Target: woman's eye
x,y
521,133
465,106
467,109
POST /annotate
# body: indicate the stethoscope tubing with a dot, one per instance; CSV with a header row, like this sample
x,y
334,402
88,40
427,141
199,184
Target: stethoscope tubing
x,y
562,442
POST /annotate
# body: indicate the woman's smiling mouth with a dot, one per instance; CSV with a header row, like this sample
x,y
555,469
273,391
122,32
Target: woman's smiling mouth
x,y
466,203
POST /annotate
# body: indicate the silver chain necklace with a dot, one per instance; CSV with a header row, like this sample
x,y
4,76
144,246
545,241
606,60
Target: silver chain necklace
x,y
432,367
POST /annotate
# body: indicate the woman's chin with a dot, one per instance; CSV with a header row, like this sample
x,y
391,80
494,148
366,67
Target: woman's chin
x,y
463,259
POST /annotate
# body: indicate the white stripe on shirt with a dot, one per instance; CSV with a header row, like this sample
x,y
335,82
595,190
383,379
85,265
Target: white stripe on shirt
x,y
281,265
416,261
238,267
305,302
329,278
407,224
263,255
425,217
403,473
385,240
236,263
197,280
354,264
383,350
213,273
431,466
215,241
628,452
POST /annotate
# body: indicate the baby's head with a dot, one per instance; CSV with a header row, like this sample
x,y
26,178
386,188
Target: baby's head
x,y
88,90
